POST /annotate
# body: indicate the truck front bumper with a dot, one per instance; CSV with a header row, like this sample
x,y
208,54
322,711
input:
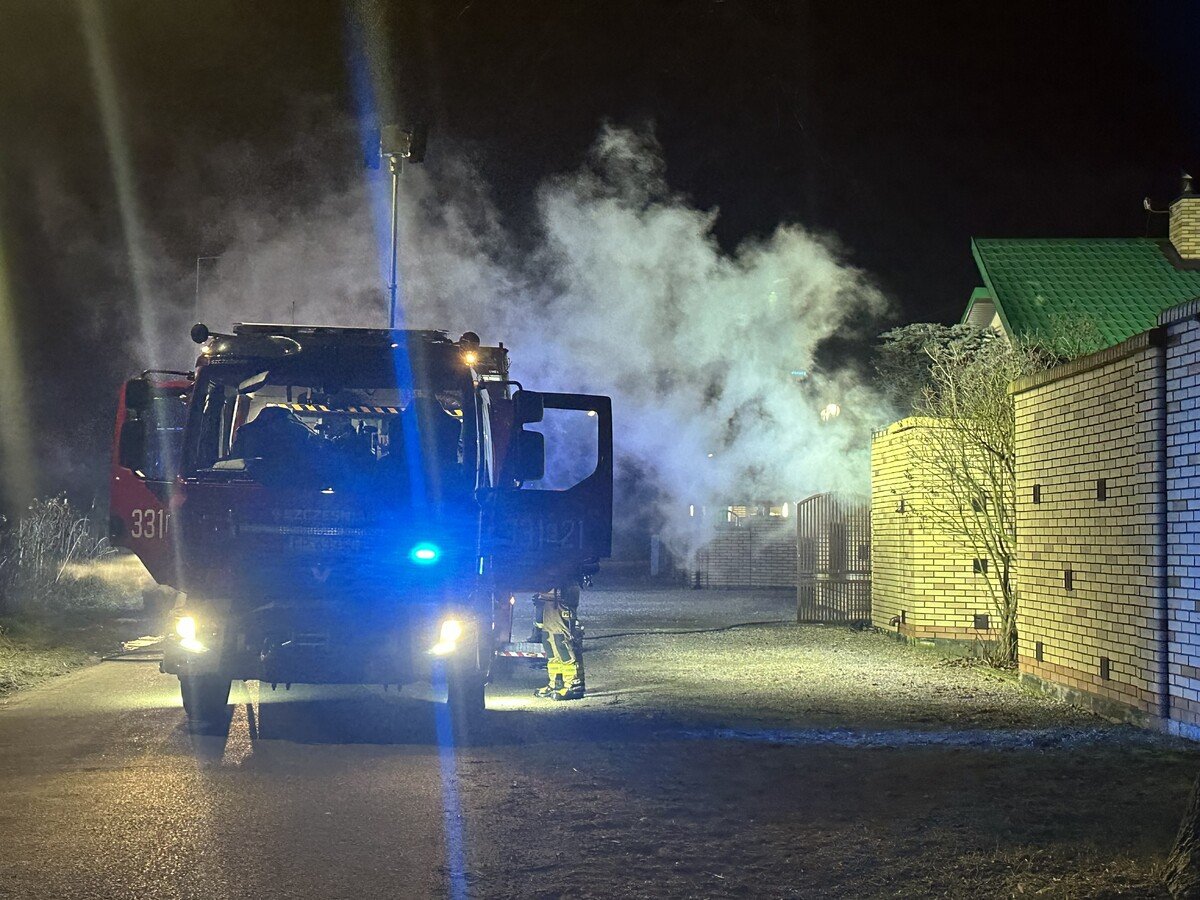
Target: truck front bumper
x,y
298,645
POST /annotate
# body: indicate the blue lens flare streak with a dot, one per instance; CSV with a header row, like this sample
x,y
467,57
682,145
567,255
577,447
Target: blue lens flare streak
x,y
366,93
451,808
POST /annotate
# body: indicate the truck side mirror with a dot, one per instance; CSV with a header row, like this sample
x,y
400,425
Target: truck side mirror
x,y
131,450
528,407
137,393
530,461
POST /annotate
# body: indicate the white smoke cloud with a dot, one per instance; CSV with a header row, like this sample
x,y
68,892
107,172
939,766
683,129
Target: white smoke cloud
x,y
624,291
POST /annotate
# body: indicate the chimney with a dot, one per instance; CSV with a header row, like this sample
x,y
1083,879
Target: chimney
x,y
1184,229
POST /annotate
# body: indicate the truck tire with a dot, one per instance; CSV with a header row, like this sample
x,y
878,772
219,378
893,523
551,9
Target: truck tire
x,y
206,702
466,702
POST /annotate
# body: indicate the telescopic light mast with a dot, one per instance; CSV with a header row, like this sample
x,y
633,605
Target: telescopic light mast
x,y
397,144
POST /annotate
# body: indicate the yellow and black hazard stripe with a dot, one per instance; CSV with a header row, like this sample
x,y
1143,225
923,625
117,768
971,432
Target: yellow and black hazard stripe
x,y
306,407
361,410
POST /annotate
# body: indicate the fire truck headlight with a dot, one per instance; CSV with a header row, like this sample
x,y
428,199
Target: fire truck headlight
x,y
425,554
448,636
185,627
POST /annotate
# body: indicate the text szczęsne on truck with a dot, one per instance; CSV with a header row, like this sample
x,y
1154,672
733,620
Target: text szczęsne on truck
x,y
351,505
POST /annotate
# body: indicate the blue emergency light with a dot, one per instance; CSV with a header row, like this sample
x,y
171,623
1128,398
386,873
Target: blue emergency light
x,y
425,554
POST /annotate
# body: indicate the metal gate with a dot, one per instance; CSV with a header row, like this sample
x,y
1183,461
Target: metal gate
x,y
833,571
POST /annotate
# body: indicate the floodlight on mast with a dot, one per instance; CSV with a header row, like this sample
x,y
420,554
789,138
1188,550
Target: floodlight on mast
x,y
397,144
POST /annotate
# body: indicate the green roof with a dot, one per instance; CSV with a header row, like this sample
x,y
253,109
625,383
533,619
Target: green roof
x,y
1120,285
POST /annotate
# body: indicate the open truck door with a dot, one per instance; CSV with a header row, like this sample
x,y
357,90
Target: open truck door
x,y
147,441
557,525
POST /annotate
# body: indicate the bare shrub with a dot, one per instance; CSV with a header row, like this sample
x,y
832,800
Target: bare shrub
x,y
968,460
38,553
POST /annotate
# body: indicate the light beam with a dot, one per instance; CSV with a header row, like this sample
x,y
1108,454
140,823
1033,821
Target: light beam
x,y
120,161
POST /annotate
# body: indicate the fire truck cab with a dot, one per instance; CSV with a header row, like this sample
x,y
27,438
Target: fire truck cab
x,y
351,505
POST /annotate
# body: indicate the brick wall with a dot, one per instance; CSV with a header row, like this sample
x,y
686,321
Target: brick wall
x,y
760,551
1108,490
1183,515
918,572
1089,511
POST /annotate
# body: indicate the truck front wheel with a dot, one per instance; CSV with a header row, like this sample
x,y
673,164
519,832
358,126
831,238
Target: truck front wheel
x,y
205,700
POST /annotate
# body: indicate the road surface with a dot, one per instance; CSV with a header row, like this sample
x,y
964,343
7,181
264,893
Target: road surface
x,y
767,760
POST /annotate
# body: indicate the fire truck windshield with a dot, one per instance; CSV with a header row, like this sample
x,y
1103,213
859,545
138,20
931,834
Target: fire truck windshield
x,y
349,429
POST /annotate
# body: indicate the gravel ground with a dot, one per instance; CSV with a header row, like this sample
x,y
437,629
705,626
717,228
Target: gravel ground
x,y
822,676
803,761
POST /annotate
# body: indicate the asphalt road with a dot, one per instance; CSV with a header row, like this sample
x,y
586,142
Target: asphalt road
x,y
760,761
105,794
317,791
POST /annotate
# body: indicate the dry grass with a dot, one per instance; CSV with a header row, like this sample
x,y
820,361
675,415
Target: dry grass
x,y
23,663
102,610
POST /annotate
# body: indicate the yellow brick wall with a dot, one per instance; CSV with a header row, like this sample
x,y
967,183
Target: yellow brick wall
x,y
1095,418
1184,229
1183,515
917,569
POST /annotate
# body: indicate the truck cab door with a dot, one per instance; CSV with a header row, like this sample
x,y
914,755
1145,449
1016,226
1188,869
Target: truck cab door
x,y
147,442
549,520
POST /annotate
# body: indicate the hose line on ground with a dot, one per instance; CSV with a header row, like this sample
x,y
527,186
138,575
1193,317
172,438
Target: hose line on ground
x,y
133,656
617,634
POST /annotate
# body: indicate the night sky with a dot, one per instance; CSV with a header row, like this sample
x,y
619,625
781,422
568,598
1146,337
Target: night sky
x,y
902,129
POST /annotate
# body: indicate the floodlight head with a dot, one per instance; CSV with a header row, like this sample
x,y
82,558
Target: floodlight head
x,y
405,143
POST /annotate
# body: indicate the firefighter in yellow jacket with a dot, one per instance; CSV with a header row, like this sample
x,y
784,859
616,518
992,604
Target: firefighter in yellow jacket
x,y
562,638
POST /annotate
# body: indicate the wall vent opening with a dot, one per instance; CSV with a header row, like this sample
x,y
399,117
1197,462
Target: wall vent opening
x,y
1105,668
981,621
1039,651
1068,580
1037,493
979,566
1101,489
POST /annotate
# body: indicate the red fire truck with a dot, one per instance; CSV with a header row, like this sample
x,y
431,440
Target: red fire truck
x,y
351,505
